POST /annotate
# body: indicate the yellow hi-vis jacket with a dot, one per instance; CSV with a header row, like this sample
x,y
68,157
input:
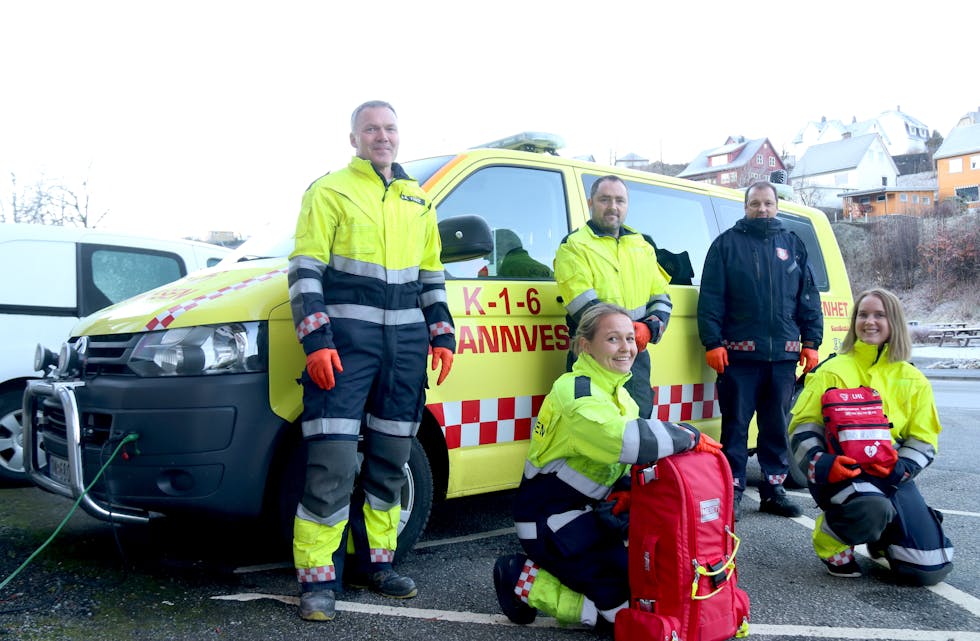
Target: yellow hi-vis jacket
x,y
367,251
593,267
906,397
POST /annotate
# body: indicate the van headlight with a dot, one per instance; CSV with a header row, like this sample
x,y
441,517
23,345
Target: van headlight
x,y
231,348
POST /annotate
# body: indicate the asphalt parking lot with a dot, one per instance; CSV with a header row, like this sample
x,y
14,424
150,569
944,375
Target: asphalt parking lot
x,y
214,580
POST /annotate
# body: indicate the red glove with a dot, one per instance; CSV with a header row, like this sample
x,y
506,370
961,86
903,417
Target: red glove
x,y
621,498
883,470
642,333
442,356
844,468
707,444
809,359
717,359
321,364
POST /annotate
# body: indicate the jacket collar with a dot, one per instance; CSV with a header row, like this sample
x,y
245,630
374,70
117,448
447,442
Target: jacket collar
x,y
623,231
606,379
869,355
364,167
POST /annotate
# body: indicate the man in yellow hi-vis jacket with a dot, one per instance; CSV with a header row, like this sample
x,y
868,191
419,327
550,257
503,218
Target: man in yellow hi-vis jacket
x,y
368,299
607,262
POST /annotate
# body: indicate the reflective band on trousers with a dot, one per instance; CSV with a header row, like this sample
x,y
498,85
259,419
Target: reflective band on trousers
x,y
921,557
853,488
527,530
321,426
376,315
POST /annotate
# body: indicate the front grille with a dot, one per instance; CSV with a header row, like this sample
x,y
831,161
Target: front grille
x,y
95,426
108,354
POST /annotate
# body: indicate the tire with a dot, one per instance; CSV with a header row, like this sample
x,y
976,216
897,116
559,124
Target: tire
x,y
417,498
11,437
796,478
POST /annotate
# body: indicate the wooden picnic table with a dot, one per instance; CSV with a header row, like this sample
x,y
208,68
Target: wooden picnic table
x,y
961,334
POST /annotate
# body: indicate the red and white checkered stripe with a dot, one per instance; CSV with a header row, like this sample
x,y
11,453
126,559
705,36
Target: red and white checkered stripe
x,y
440,328
163,319
792,346
776,479
381,555
505,420
691,402
319,574
842,558
740,346
487,420
310,324
524,582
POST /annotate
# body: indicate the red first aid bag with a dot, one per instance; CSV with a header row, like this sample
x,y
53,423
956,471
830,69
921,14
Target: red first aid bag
x,y
856,425
682,548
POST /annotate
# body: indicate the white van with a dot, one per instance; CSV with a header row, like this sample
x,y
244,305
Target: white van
x,y
94,269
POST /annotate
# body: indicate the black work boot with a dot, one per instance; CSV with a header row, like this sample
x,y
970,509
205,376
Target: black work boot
x,y
779,503
385,582
318,606
737,507
506,572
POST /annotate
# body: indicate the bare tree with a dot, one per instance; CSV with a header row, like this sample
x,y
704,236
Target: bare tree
x,y
48,202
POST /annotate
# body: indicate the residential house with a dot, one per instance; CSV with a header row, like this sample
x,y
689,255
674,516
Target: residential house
x,y
901,133
632,161
737,163
827,170
912,195
970,118
958,165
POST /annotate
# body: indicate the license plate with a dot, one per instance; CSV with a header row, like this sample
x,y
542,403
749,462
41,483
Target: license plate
x,y
58,469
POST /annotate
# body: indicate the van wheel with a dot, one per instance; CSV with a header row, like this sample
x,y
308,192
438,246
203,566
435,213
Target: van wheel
x,y
417,497
11,437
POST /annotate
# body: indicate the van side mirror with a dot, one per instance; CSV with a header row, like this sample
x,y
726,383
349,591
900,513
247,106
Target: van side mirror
x,y
464,238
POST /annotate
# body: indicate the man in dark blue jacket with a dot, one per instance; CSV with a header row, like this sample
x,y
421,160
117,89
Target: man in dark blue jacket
x,y
758,315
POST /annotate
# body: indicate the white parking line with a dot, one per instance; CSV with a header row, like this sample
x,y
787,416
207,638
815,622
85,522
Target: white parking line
x,y
966,601
755,629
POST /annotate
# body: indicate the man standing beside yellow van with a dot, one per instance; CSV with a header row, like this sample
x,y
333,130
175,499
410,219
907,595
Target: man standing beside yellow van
x,y
758,315
368,299
607,262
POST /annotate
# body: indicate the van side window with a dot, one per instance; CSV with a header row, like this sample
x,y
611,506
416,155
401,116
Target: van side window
x,y
804,229
111,274
730,211
528,213
675,222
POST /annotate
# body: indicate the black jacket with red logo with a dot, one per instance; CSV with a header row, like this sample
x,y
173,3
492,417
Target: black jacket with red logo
x,y
758,297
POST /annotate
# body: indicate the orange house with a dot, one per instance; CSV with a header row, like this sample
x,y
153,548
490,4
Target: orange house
x,y
910,200
958,165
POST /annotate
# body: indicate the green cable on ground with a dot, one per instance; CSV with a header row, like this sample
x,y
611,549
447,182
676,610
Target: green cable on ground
x,y
129,438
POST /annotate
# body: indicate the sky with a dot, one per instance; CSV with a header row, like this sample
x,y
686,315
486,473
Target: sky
x,y
184,117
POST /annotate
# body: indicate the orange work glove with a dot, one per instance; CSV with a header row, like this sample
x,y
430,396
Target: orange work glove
x,y
809,359
844,468
444,357
621,500
321,364
883,470
717,359
642,333
707,444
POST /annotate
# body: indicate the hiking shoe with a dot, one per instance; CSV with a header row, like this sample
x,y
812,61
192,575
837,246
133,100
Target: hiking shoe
x,y
317,606
506,572
850,570
386,583
780,504
737,507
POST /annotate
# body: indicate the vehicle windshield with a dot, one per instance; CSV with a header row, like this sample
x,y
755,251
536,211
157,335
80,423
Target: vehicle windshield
x,y
276,240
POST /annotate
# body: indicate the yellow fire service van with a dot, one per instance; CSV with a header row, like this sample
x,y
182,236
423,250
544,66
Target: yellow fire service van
x,y
205,369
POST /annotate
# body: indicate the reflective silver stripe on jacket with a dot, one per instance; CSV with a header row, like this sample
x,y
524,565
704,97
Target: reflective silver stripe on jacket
x,y
306,286
432,297
376,315
569,476
577,304
323,426
374,270
918,451
807,437
429,277
638,313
